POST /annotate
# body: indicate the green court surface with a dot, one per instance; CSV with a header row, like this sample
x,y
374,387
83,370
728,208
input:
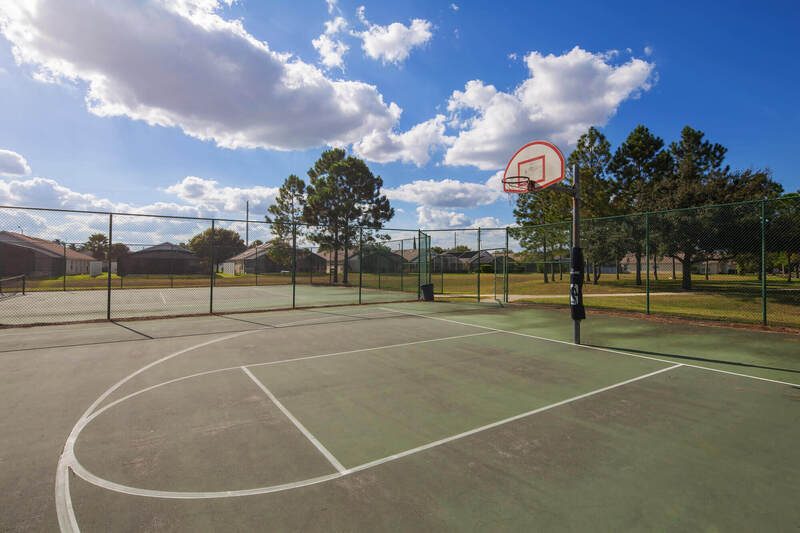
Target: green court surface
x,y
53,306
399,417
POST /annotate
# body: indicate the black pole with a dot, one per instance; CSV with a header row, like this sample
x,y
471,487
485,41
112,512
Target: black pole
x,y
294,262
211,271
108,298
576,275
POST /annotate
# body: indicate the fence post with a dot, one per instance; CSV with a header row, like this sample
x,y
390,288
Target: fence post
x,y
763,266
505,271
479,264
64,279
441,271
360,261
419,264
255,267
110,240
403,255
211,271
647,268
294,262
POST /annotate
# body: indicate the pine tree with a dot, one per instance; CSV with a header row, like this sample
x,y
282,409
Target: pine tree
x,y
638,166
343,195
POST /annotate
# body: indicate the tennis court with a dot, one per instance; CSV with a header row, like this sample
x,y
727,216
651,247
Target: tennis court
x,y
403,416
41,307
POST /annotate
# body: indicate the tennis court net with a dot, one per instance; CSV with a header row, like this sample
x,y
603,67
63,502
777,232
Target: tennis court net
x,y
12,286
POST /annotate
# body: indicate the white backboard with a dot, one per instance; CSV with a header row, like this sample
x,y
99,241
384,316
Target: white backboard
x,y
540,161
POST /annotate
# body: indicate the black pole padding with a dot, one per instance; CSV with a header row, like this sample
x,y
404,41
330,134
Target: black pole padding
x,y
576,308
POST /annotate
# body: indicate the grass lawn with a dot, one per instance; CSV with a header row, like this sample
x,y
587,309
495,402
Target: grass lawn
x,y
725,307
721,297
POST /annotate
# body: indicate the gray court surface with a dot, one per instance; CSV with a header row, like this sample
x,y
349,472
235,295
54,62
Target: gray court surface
x,y
68,306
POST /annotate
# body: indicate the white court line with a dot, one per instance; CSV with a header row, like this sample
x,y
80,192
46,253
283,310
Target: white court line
x,y
64,510
151,493
507,420
162,298
109,405
618,352
317,444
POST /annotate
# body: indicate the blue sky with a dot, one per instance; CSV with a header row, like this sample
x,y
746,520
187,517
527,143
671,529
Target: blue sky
x,y
191,106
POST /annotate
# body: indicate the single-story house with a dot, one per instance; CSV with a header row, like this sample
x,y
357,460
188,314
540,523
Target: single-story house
x,y
164,258
34,257
468,261
666,264
331,258
381,259
270,257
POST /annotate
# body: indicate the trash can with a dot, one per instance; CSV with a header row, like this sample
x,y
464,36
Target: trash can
x,y
427,292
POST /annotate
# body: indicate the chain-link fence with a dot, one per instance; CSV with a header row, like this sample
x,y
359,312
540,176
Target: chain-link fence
x,y
734,263
66,266
737,263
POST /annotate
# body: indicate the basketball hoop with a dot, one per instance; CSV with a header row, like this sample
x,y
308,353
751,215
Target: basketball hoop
x,y
517,184
540,165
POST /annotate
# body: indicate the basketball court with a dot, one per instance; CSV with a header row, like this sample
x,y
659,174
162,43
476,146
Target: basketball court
x,y
406,416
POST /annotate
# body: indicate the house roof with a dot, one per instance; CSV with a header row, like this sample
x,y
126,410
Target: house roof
x,y
165,247
250,253
49,248
408,254
630,259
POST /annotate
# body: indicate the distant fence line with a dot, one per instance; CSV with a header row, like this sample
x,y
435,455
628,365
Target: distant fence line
x,y
738,261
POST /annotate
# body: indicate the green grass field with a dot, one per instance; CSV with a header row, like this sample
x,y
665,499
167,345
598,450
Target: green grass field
x,y
721,297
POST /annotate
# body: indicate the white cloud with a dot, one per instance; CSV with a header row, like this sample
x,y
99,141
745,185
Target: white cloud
x,y
563,96
361,14
431,217
486,222
12,164
331,5
648,50
413,146
448,192
198,198
512,56
434,218
179,63
454,7
338,24
392,43
331,51
210,196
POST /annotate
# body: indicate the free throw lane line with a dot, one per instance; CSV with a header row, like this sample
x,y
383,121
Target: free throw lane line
x,y
323,450
599,349
151,493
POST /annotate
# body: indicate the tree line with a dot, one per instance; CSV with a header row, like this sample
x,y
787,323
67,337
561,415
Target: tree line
x,y
340,206
644,174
